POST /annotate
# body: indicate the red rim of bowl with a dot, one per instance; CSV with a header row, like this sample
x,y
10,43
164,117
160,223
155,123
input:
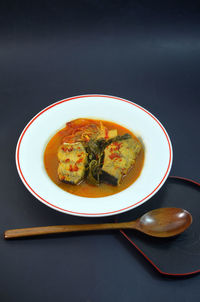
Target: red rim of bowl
x,y
91,214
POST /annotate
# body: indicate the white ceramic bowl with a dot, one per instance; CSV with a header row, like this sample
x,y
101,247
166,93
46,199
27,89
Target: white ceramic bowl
x,y
37,133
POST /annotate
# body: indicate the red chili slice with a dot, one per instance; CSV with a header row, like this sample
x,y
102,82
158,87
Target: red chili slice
x,y
114,155
106,133
79,160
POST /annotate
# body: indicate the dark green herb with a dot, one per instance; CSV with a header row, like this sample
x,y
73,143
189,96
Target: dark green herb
x,y
95,150
93,176
118,138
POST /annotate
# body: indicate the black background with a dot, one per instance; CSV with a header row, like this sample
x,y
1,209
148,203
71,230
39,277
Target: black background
x,y
145,51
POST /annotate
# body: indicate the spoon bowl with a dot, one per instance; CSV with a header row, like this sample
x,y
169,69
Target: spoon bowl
x,y
163,222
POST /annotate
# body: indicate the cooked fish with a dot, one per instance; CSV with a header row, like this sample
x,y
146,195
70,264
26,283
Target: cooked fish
x,y
72,161
119,156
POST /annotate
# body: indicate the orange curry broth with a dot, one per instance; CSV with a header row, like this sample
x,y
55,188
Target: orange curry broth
x,y
83,189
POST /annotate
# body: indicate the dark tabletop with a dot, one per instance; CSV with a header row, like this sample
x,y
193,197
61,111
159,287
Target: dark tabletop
x,y
49,50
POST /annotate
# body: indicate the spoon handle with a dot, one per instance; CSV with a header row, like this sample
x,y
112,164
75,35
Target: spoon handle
x,y
37,231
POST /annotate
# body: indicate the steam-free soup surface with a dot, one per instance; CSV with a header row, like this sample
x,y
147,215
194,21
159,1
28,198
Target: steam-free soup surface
x,y
85,189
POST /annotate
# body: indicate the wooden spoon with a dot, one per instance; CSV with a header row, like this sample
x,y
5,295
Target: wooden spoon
x,y
163,222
